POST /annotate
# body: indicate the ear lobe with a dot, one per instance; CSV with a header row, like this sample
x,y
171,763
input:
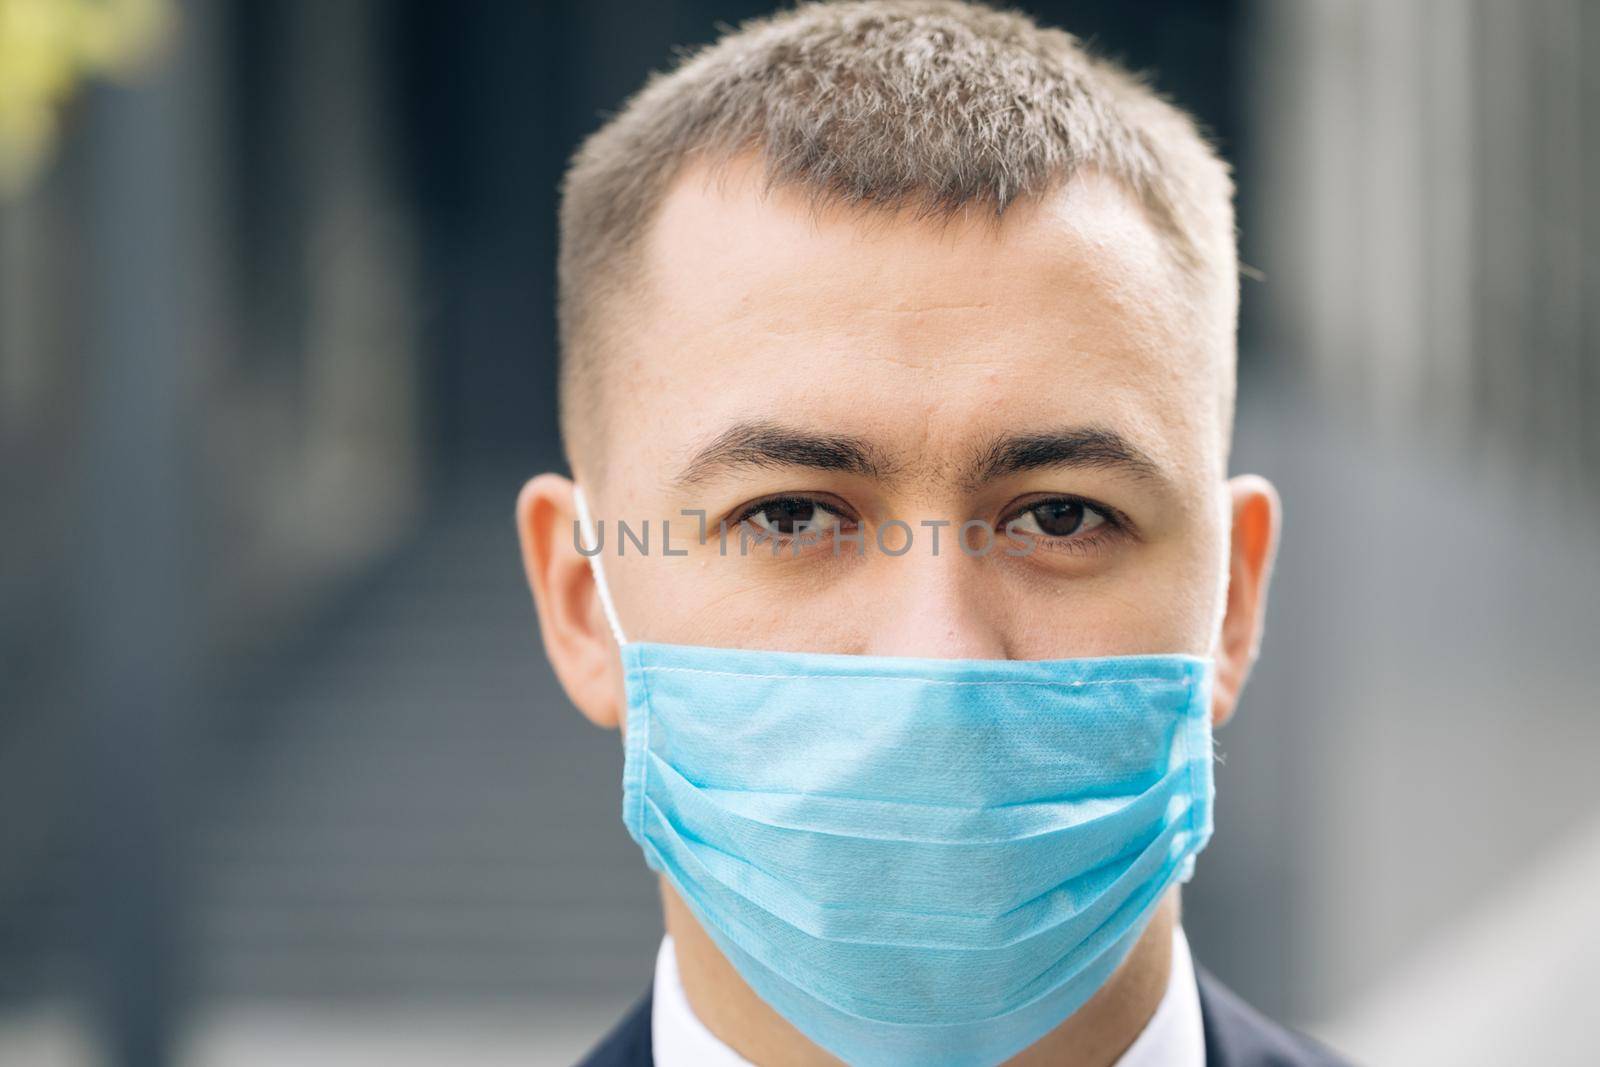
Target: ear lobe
x,y
571,624
1253,547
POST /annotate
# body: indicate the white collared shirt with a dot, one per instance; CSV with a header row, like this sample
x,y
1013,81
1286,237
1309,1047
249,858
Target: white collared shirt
x,y
1174,1036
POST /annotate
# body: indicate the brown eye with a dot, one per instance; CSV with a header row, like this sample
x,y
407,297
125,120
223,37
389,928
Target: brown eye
x,y
792,517
1058,518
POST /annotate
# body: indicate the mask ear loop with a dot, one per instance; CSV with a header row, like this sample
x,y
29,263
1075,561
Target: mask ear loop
x,y
586,523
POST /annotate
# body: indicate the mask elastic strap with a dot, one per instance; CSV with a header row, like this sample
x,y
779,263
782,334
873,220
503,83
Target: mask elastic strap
x,y
586,523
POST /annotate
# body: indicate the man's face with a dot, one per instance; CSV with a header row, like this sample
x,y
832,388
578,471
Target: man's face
x,y
828,375
853,379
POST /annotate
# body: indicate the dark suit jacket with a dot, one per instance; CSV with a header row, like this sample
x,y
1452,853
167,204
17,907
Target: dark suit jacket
x,y
1236,1036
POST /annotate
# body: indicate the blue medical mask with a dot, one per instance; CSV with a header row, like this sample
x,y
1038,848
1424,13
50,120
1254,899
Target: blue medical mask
x,y
916,861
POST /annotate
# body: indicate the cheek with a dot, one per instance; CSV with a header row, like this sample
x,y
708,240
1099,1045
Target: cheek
x,y
707,599
1194,590
1159,603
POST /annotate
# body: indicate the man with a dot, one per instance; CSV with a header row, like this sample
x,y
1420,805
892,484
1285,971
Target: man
x,y
859,274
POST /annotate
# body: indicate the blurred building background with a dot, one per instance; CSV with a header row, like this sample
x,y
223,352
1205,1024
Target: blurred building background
x,y
283,774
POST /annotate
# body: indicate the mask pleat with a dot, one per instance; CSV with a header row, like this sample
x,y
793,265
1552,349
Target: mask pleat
x,y
945,741
923,858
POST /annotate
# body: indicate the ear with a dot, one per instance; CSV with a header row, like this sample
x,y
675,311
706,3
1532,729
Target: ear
x,y
1257,517
571,622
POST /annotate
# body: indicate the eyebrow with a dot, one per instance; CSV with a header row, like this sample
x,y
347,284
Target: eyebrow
x,y
768,445
1085,448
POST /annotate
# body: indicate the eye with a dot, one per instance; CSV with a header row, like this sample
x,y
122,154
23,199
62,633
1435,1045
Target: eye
x,y
792,516
1059,517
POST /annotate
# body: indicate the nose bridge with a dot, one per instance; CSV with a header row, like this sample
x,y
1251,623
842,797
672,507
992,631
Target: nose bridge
x,y
935,606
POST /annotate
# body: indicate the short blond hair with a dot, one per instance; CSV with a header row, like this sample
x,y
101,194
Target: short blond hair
x,y
929,106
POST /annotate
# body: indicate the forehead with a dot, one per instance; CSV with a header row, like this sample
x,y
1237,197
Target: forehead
x,y
928,336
